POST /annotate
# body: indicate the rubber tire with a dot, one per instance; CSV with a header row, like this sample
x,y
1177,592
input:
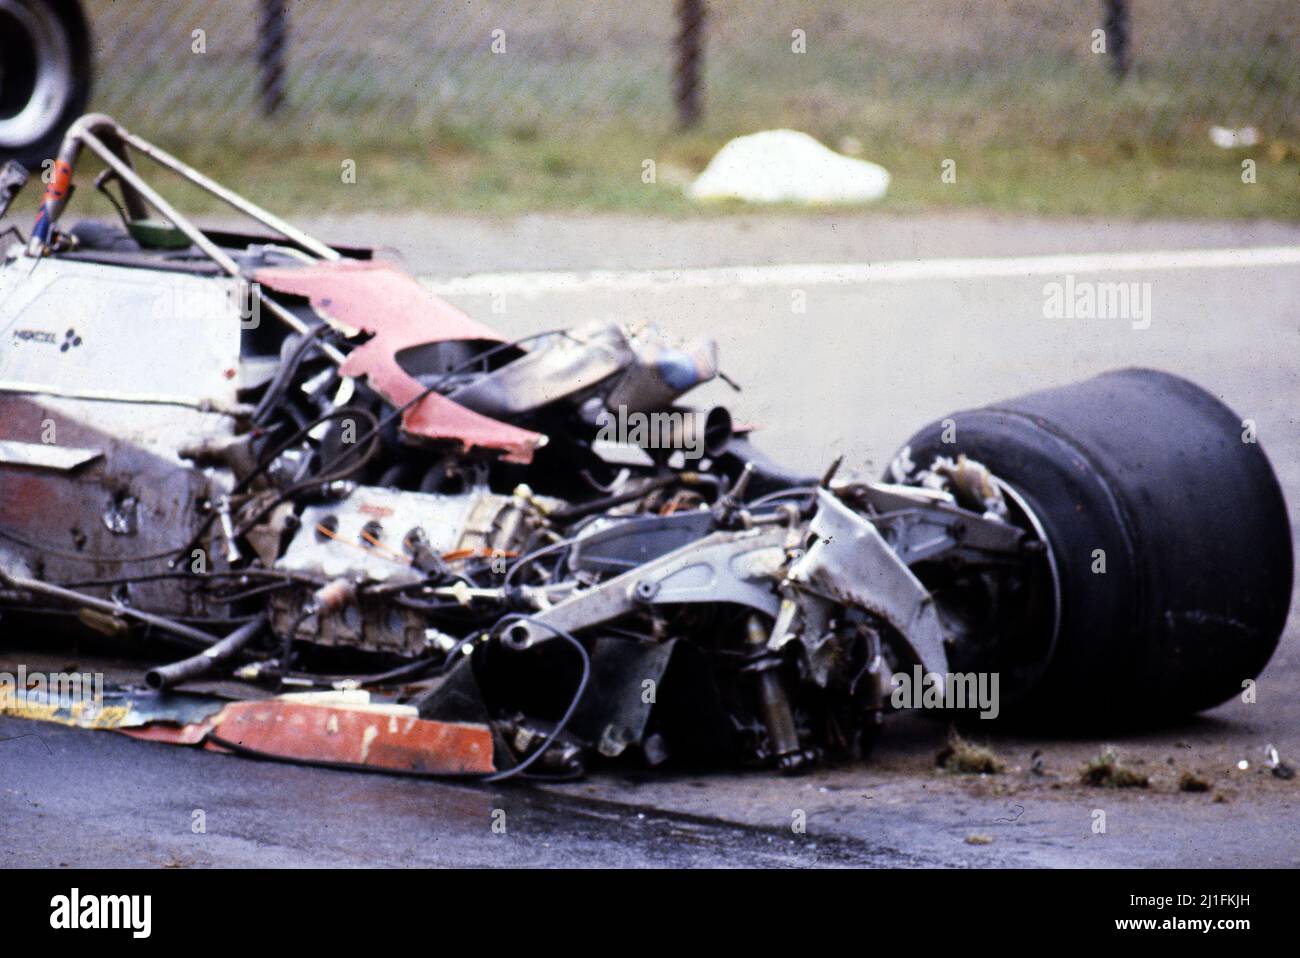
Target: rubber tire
x,y
70,21
1153,470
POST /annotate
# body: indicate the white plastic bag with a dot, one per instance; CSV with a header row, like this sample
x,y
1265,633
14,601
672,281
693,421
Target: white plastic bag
x,y
786,166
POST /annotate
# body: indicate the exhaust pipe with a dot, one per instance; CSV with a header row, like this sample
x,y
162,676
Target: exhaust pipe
x,y
708,431
166,676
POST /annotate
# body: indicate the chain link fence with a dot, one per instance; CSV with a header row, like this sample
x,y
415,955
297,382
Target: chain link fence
x,y
930,71
204,70
1061,106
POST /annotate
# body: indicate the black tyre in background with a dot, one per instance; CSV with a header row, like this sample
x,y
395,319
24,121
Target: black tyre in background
x,y
1148,474
45,75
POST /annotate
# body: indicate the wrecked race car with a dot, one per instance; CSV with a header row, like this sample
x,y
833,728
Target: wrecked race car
x,y
352,525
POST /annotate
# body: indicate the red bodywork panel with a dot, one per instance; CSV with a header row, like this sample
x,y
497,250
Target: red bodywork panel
x,y
336,735
377,298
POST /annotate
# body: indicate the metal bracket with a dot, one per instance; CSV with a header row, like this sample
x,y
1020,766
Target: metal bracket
x,y
739,567
850,563
920,524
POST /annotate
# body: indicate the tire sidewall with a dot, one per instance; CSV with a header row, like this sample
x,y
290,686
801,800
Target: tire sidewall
x,y
76,32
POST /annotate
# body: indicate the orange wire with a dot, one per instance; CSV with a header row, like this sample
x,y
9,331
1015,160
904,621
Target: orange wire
x,y
391,556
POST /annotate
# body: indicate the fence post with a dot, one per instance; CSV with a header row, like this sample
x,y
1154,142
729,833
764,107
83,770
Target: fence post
x,y
272,37
686,75
1117,28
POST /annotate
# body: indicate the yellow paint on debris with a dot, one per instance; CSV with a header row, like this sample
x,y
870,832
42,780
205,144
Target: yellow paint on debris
x,y
78,715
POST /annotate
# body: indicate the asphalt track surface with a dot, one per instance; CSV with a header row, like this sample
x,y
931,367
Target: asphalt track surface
x,y
871,356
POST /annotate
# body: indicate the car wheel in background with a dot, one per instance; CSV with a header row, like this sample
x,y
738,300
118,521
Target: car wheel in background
x,y
45,74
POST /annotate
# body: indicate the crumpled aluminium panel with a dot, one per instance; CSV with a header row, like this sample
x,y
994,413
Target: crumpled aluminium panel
x,y
374,297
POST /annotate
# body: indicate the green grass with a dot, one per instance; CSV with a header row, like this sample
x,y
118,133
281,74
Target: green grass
x,y
502,174
564,121
602,172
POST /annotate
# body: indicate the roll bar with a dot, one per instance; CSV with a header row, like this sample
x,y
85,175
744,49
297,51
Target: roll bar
x,y
113,144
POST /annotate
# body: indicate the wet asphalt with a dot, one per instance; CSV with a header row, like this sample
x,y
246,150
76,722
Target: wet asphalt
x,y
77,798
854,375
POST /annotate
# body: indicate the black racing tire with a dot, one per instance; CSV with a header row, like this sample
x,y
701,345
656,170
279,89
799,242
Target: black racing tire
x,y
1155,472
45,76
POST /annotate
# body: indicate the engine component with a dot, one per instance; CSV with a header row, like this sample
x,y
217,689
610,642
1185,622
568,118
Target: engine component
x,y
375,533
523,593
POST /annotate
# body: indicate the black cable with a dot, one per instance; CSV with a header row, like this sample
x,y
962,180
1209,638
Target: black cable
x,y
381,423
64,554
790,493
531,557
301,433
238,488
404,671
425,605
153,557
101,184
231,598
319,479
288,368
280,574
239,748
442,380
608,502
573,705
286,649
